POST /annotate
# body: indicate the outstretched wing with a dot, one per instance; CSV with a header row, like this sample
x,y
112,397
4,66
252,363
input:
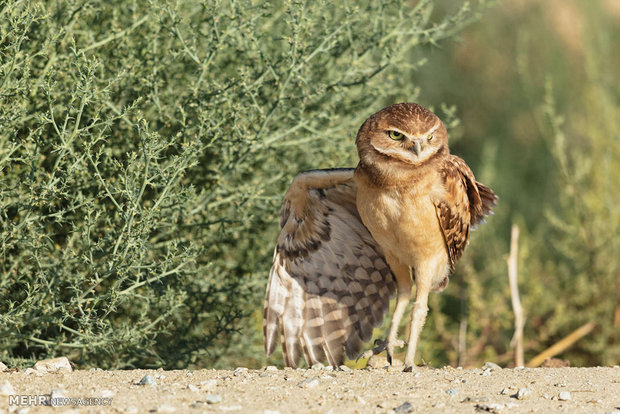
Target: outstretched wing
x,y
329,284
465,204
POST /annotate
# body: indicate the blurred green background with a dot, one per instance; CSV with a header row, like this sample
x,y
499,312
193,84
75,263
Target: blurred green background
x,y
146,145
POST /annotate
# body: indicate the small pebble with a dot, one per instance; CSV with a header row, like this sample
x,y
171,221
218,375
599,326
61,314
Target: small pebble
x,y
147,380
318,366
564,396
192,387
57,392
452,392
271,412
6,388
213,398
107,393
476,399
231,408
523,393
166,409
495,407
344,368
55,395
3,367
308,383
198,404
271,368
404,408
505,391
240,371
492,366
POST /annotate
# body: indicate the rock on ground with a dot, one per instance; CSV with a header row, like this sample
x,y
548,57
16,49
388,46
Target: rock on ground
x,y
61,364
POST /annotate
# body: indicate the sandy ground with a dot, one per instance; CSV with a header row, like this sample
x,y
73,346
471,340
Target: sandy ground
x,y
271,390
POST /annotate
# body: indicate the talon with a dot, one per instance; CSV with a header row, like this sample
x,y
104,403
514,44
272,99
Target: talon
x,y
381,346
365,355
408,368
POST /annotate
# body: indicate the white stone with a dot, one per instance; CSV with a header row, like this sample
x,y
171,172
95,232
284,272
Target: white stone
x,y
165,408
213,398
6,388
308,383
564,396
61,364
523,394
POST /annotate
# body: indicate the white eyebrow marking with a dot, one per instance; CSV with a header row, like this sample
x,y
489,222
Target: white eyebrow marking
x,y
430,131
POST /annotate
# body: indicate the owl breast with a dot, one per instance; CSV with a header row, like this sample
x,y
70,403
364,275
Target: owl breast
x,y
404,223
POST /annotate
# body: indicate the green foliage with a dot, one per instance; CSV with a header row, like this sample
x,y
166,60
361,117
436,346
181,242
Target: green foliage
x,y
144,149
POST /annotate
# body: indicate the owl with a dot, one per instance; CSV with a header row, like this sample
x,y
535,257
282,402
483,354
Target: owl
x,y
353,238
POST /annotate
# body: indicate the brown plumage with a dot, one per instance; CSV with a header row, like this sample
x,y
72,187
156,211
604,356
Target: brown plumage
x,y
352,238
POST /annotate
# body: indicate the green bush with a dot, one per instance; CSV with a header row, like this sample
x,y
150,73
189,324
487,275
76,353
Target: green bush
x,y
144,149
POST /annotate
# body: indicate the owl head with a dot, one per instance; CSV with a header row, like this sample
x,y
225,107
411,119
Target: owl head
x,y
405,133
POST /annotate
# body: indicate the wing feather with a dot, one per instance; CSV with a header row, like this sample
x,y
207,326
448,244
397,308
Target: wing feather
x,y
465,204
329,285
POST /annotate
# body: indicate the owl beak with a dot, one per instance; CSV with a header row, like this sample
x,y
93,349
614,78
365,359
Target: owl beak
x,y
416,148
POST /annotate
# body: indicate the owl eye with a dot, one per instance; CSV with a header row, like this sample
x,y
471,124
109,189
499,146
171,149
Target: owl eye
x,y
430,138
395,135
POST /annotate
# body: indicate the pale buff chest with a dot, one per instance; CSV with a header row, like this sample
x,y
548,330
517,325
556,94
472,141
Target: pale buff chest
x,y
404,222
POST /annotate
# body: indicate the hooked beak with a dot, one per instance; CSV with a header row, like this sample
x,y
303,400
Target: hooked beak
x,y
416,148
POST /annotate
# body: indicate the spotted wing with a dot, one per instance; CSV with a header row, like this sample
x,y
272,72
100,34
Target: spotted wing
x,y
465,204
329,284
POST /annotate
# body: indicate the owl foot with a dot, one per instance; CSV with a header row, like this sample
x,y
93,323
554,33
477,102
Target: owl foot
x,y
381,346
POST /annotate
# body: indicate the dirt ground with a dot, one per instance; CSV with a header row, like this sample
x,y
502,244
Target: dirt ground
x,y
271,390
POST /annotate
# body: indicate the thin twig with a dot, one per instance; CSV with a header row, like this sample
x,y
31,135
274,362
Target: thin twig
x,y
517,339
562,345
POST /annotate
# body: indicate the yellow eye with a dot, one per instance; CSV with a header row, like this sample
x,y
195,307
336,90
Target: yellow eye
x,y
395,135
430,138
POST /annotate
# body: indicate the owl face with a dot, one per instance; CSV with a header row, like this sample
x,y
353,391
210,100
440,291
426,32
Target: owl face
x,y
405,132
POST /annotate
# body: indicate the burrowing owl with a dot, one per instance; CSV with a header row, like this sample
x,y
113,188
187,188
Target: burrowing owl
x,y
352,238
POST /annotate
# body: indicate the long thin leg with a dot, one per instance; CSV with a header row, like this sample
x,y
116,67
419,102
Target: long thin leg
x,y
404,285
418,317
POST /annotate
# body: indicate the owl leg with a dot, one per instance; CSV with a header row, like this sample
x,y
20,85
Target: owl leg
x,y
404,284
418,317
